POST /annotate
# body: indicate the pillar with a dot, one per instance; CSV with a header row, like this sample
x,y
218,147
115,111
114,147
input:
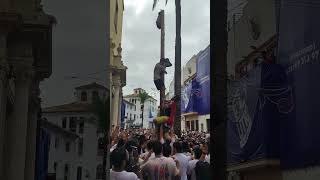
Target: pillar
x,y
17,125
33,111
116,99
3,98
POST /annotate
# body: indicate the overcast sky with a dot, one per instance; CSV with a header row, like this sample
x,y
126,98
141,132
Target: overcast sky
x,y
79,43
141,38
79,47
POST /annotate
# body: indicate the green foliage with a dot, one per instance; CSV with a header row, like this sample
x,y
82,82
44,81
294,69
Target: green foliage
x,y
101,108
143,97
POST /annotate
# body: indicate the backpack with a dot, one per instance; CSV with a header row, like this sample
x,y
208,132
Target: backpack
x,y
202,170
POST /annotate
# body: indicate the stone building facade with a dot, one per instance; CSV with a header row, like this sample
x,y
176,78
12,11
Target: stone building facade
x,y
117,68
25,61
77,126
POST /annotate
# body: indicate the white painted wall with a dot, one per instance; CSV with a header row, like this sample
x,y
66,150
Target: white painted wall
x,y
89,159
239,37
62,157
130,111
189,69
150,103
202,119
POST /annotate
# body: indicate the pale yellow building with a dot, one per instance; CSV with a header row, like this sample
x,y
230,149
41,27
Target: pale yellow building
x,y
117,69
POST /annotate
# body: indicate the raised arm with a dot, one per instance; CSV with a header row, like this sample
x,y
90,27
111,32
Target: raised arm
x,y
161,134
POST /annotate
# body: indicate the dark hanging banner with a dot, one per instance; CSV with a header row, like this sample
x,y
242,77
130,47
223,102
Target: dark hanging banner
x,y
257,103
123,114
299,42
42,155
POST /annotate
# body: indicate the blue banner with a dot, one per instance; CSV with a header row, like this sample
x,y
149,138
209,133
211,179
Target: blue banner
x,y
298,53
187,99
257,103
42,155
201,89
123,114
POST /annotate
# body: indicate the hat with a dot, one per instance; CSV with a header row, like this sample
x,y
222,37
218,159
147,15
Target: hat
x,y
166,61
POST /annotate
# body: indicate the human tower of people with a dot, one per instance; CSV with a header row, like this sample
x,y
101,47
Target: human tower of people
x,y
159,154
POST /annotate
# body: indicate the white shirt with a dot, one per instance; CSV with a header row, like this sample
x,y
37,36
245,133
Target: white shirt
x,y
191,171
160,168
184,163
143,155
207,159
113,147
188,155
123,175
158,70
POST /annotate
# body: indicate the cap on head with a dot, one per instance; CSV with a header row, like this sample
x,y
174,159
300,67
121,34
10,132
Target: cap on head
x,y
166,62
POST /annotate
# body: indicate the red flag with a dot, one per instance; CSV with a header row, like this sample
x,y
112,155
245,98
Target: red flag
x,y
172,114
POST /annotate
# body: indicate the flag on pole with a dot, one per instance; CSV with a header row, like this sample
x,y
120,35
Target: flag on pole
x,y
158,22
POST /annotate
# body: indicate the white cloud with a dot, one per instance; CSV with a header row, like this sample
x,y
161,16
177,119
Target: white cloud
x,y
138,5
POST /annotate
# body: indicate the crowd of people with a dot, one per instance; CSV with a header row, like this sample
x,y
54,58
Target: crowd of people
x,y
159,154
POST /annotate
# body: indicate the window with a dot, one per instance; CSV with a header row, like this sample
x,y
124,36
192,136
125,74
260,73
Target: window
x,y
79,173
197,125
80,147
208,125
192,126
130,116
201,127
81,127
127,116
134,117
56,142
95,95
187,125
135,108
55,164
67,147
99,173
66,172
64,122
140,115
72,124
84,96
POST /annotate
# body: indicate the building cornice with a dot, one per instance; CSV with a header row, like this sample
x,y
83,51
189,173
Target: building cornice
x,y
190,114
52,127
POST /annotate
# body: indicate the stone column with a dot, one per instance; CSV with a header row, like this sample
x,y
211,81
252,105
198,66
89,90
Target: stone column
x,y
4,69
115,102
17,126
33,111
